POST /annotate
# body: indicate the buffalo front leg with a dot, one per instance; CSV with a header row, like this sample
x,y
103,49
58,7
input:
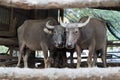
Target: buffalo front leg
x,y
52,57
45,53
46,60
64,57
78,56
71,57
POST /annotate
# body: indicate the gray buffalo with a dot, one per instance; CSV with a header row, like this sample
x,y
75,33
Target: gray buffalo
x,y
45,34
89,33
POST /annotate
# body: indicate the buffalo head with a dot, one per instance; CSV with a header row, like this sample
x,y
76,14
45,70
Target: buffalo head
x,y
73,33
58,34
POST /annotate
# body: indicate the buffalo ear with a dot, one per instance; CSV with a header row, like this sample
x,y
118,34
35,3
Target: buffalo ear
x,y
47,31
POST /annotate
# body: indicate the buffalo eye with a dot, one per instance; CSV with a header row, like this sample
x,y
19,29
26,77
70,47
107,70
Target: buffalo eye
x,y
66,31
76,31
55,32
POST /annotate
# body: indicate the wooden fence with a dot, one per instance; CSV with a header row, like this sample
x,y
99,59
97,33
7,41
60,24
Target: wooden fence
x,y
47,4
60,74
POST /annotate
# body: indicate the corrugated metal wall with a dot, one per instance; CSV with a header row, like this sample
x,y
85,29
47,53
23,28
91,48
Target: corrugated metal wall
x,y
4,15
19,14
8,14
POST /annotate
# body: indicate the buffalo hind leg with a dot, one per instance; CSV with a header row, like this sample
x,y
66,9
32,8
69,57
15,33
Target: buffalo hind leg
x,y
71,57
95,56
104,57
25,58
91,53
21,52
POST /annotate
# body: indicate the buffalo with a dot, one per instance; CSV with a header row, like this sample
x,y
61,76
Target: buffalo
x,y
44,34
89,33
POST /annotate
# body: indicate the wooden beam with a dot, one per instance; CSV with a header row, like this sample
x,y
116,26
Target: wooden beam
x,y
6,57
60,74
8,41
8,63
7,34
113,43
47,4
4,27
109,8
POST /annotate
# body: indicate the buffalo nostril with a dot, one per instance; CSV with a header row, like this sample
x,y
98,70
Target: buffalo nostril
x,y
60,44
69,44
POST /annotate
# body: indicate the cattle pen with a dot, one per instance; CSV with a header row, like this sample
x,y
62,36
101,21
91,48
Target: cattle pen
x,y
13,13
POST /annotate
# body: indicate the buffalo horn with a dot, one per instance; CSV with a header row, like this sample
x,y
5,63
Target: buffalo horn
x,y
62,24
85,23
49,26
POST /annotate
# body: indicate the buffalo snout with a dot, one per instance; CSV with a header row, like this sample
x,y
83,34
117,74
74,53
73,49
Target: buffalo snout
x,y
69,45
60,44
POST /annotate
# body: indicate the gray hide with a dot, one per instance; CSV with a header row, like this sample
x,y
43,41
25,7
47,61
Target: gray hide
x,y
37,35
91,36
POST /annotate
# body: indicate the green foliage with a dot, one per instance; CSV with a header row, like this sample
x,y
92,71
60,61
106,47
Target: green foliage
x,y
3,49
113,16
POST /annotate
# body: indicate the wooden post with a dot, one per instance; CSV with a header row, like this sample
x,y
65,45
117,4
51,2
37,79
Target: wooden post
x,y
12,28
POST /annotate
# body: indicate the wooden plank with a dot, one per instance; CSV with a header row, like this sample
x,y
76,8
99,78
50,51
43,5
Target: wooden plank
x,y
8,41
4,27
47,4
113,43
8,63
6,57
7,34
